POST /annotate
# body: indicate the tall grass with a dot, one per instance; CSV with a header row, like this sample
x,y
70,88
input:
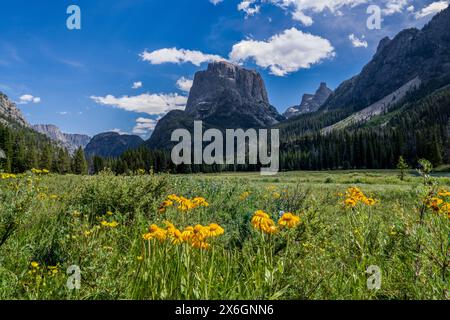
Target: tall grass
x,y
98,224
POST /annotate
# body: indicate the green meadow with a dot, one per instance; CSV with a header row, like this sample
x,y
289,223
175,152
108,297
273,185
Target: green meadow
x,y
348,235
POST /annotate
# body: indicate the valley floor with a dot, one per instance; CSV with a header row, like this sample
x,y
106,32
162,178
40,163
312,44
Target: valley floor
x,y
297,235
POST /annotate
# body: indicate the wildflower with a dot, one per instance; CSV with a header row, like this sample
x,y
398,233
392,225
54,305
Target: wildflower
x,y
107,224
262,221
52,270
350,202
177,237
200,231
214,230
434,203
109,213
34,265
155,233
354,195
87,233
200,244
270,229
444,193
244,195
289,220
164,205
200,202
187,234
6,176
139,258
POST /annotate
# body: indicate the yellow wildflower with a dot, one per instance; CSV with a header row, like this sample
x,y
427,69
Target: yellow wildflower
x,y
289,220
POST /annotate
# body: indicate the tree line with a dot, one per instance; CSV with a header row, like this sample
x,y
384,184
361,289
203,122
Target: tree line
x,y
24,149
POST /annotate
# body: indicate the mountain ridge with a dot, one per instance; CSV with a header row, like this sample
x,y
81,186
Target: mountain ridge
x,y
310,102
69,141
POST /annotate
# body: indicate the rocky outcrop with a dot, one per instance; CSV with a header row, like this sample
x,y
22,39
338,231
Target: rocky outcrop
x,y
310,102
69,141
111,144
412,53
10,113
225,96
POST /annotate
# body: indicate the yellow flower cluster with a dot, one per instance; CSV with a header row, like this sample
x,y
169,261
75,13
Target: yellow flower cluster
x,y
440,203
182,203
263,222
196,236
40,171
107,224
6,176
353,196
36,268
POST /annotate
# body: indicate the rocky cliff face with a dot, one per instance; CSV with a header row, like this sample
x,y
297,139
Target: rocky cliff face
x,y
70,141
310,102
111,144
225,96
9,112
412,53
229,95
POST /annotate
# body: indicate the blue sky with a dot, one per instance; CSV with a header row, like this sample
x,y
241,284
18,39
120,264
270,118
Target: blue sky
x,y
82,80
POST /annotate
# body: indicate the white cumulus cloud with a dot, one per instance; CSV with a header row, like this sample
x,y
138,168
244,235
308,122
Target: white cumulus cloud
x,y
215,2
249,7
356,42
284,53
395,6
28,98
185,84
144,126
301,10
137,85
174,55
432,8
153,104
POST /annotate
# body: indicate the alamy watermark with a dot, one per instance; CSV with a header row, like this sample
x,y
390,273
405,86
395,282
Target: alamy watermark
x,y
74,277
236,147
374,280
73,22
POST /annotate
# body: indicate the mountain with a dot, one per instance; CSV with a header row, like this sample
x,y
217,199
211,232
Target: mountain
x,y
223,96
69,141
310,102
10,113
413,53
111,144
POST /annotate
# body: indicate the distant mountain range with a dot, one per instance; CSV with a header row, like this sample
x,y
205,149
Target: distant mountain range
x,y
69,141
405,79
